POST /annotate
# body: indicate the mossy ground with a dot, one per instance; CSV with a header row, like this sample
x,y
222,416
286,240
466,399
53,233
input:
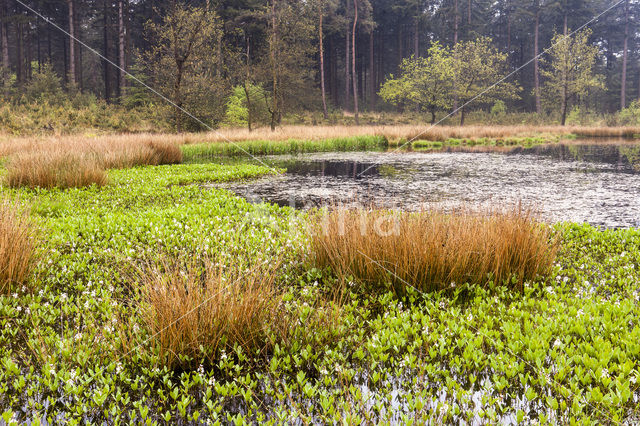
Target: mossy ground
x,y
565,350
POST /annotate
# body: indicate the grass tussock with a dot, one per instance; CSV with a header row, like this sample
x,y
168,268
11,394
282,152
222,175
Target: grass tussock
x,y
17,247
79,162
433,250
198,312
54,170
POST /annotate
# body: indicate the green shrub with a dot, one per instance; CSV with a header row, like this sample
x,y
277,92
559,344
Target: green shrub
x,y
45,86
499,108
237,110
630,116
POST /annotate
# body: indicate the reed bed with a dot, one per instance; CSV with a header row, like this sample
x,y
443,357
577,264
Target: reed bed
x,y
17,247
290,146
71,163
54,170
200,311
433,250
10,145
115,152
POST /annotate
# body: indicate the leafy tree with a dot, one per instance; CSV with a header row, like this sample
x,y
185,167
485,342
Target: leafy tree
x,y
182,58
287,64
478,67
570,70
426,83
246,106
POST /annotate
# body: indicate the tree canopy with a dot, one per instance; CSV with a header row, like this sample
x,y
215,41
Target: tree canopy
x,y
312,55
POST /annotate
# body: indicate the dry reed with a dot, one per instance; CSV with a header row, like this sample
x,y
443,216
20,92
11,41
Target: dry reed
x,y
197,312
433,250
67,163
17,247
11,145
54,170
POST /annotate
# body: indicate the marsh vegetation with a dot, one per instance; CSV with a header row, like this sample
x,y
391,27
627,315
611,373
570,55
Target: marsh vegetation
x,y
159,296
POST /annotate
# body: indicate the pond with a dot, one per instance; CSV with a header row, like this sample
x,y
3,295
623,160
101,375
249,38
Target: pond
x,y
598,184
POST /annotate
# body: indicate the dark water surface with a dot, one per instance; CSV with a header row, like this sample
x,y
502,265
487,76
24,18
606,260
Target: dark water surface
x,y
599,184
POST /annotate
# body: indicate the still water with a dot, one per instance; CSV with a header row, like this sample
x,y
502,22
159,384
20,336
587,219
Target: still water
x,y
598,184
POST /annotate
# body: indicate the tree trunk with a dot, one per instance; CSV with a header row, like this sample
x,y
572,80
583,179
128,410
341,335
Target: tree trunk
x,y
247,79
536,62
177,96
72,49
508,30
623,89
433,116
105,51
28,55
455,41
563,121
79,77
122,64
347,73
455,22
274,67
400,52
353,61
321,46
462,112
49,42
416,38
249,107
4,39
39,57
469,15
372,74
565,100
219,58
19,54
65,60
333,78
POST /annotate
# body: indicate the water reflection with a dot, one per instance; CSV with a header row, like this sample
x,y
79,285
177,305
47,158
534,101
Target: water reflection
x,y
623,157
578,183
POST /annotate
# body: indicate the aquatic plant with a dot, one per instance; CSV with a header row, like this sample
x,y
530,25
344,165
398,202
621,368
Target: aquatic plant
x,y
563,350
292,146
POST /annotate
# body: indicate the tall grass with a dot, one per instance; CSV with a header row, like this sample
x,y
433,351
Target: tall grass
x,y
433,250
17,247
197,312
290,146
68,163
392,133
54,170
